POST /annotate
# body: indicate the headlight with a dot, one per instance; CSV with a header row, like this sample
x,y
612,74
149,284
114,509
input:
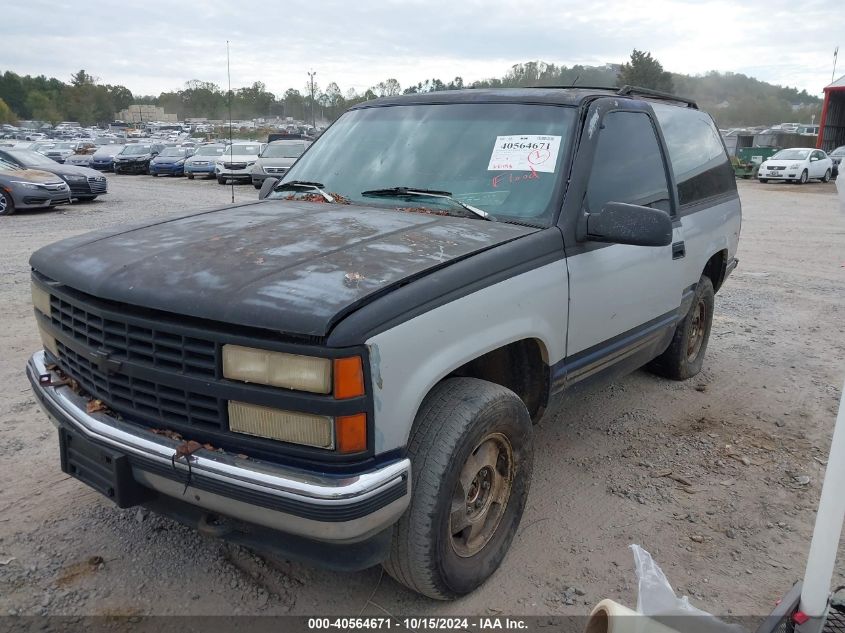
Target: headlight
x,y
40,299
26,185
278,369
250,163
257,169
285,426
48,341
180,162
795,165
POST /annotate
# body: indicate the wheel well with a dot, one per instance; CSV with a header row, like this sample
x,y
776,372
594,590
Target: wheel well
x,y
520,366
715,269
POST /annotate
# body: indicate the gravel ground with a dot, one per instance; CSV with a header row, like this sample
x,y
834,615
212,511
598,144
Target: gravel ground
x,y
717,477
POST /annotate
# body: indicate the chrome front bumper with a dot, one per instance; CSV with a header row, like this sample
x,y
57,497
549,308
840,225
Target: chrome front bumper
x,y
331,508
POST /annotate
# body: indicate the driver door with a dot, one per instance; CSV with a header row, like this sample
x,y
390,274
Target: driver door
x,y
623,297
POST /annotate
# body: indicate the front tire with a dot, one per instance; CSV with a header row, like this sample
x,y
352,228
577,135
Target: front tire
x,y
221,181
471,451
826,177
190,176
7,204
685,355
805,177
764,180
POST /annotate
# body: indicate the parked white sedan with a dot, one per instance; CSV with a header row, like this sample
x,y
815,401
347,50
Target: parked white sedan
x,y
798,164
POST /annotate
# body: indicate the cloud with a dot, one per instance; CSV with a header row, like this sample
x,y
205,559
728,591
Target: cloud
x,y
162,45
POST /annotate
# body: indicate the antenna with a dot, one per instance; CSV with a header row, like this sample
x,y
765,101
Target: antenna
x,y
231,155
833,74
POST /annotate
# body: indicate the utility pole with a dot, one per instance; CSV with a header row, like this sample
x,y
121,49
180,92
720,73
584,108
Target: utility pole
x,y
311,75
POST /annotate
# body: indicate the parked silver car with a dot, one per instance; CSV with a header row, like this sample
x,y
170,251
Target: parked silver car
x,y
276,159
29,189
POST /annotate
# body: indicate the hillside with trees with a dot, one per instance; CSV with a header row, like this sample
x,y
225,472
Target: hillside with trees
x,y
732,98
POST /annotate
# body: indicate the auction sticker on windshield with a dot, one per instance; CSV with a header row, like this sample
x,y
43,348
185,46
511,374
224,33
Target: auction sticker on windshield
x,y
531,152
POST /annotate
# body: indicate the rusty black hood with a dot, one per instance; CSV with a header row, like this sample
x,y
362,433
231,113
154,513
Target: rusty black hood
x,y
288,266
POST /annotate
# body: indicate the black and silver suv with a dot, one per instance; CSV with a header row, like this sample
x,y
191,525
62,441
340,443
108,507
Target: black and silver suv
x,y
349,369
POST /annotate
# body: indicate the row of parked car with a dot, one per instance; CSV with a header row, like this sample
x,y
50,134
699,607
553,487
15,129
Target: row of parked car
x,y
31,180
240,161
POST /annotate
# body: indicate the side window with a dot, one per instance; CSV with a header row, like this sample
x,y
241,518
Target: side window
x,y
699,162
628,166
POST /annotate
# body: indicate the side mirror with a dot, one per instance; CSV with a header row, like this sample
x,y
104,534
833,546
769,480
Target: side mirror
x,y
621,223
267,187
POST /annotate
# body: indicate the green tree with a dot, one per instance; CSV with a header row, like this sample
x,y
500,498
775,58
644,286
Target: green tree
x,y
42,107
644,71
6,114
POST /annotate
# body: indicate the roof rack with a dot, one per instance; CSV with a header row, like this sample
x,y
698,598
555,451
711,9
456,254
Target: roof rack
x,y
654,94
632,91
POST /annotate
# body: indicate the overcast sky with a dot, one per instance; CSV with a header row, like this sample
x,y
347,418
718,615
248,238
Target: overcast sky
x,y
153,46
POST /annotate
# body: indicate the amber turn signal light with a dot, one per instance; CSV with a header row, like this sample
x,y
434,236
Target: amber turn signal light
x,y
351,433
348,378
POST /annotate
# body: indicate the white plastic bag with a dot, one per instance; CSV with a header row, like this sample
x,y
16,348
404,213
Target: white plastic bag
x,y
657,599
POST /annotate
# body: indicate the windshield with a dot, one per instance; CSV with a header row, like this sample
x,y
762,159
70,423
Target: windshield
x,y
839,151
244,150
791,154
64,146
173,151
284,150
135,150
6,166
209,150
31,158
502,158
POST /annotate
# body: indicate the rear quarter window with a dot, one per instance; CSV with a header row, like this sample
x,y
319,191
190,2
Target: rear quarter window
x,y
699,162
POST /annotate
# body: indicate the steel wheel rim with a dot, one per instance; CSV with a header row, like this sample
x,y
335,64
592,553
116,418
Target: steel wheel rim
x,y
696,335
804,177
481,495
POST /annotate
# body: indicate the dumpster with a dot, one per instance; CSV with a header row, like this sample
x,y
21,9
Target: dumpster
x,y
747,161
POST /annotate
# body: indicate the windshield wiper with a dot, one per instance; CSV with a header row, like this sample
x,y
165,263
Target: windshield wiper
x,y
304,184
400,192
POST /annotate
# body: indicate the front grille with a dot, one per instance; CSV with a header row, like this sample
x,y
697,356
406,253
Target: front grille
x,y
154,402
97,184
275,170
79,186
157,347
234,165
777,168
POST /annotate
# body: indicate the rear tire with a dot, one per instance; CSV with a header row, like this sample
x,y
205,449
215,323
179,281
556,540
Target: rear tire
x,y
685,355
471,451
7,205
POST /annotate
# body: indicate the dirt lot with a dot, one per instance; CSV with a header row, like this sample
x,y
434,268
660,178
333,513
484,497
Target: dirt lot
x,y
718,477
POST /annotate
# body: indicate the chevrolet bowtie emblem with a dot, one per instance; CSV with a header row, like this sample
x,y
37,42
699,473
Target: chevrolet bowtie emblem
x,y
104,363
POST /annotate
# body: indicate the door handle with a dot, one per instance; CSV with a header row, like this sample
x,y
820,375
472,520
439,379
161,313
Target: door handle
x,y
679,250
